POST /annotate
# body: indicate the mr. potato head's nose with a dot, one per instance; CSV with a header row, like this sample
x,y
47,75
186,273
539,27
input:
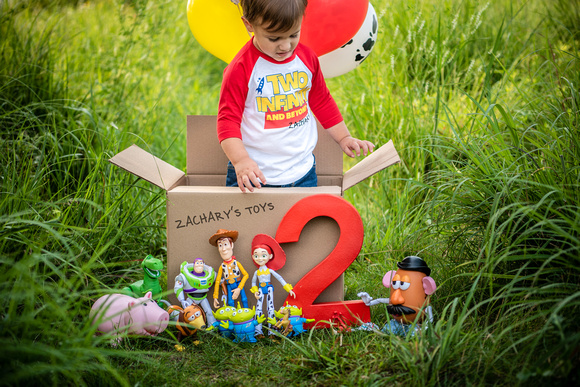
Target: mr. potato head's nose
x,y
397,297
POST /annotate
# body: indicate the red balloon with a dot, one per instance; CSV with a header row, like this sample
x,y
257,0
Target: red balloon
x,y
329,24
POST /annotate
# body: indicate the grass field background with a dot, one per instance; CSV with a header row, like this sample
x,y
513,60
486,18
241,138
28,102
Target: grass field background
x,y
481,100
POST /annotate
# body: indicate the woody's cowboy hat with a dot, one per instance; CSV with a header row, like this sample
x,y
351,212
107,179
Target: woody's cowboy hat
x,y
279,255
221,233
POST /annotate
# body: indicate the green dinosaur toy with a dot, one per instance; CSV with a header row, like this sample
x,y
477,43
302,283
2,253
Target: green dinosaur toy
x,y
150,283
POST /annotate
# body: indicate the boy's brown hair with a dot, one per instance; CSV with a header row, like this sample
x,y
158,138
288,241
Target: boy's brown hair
x,y
274,15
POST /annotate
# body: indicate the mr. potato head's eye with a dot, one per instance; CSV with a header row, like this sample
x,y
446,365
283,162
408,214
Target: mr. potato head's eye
x,y
405,285
396,285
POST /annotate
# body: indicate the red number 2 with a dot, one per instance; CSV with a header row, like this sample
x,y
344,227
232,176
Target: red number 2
x,y
327,271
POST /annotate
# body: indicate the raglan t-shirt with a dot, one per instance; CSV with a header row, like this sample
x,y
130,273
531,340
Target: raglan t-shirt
x,y
271,106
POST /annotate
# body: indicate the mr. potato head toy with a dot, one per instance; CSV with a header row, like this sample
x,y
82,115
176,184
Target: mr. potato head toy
x,y
411,286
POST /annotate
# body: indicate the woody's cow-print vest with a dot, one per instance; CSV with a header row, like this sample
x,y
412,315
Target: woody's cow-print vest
x,y
235,270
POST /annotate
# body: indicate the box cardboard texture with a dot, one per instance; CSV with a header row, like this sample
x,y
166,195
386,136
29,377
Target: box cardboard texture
x,y
198,204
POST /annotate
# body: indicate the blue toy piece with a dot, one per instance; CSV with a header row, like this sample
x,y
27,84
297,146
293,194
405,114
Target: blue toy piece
x,y
297,323
243,324
290,323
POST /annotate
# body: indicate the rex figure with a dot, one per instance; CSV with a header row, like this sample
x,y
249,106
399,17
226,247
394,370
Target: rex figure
x,y
150,283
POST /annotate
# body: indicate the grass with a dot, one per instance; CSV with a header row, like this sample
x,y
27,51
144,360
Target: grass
x,y
481,100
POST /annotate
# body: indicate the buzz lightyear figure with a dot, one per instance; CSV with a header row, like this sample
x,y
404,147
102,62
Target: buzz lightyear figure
x,y
192,285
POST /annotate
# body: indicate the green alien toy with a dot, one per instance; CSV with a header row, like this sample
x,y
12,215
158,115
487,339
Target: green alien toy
x,y
243,324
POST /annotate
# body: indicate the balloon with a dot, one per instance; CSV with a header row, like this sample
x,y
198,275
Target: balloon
x,y
217,26
348,57
328,24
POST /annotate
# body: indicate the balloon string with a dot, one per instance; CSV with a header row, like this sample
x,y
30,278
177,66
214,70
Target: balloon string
x,y
237,3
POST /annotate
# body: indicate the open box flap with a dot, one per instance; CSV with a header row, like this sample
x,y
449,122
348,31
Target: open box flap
x,y
148,167
380,159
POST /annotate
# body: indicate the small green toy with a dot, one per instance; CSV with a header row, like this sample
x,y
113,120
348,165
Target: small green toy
x,y
243,324
150,283
290,323
223,314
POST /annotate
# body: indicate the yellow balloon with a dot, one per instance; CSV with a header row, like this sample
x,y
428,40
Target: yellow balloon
x,y
217,26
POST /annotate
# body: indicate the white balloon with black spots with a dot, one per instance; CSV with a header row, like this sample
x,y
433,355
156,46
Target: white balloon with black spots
x,y
355,51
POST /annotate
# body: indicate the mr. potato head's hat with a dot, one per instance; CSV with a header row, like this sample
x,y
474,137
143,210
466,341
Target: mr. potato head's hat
x,y
413,263
221,233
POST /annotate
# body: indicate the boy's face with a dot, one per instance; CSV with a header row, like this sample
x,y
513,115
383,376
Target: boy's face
x,y
277,45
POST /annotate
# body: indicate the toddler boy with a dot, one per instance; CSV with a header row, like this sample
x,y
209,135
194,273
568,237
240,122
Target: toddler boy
x,y
270,93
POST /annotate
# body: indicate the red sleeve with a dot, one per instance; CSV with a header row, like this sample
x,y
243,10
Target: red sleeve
x,y
319,98
233,95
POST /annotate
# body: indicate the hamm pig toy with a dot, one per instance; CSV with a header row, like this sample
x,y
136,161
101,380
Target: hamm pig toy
x,y
119,313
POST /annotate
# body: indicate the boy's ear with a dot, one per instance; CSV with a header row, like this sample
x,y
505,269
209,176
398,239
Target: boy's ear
x,y
247,24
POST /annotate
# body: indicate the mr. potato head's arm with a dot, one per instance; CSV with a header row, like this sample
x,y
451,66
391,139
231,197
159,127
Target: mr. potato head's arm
x,y
369,301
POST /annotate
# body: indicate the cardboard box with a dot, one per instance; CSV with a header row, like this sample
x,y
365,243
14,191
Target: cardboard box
x,y
198,204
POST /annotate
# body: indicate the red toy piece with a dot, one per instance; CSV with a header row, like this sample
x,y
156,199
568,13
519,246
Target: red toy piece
x,y
327,271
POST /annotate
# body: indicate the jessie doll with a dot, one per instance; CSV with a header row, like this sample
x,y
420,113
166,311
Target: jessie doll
x,y
268,256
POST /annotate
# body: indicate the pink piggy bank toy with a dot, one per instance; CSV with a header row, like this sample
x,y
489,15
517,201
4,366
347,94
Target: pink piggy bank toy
x,y
120,313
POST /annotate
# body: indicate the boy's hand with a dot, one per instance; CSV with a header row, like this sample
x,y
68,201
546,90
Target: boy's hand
x,y
247,171
249,175
352,146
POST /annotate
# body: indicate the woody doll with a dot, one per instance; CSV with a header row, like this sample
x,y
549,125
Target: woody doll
x,y
234,274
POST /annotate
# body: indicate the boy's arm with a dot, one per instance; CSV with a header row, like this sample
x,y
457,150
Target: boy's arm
x,y
326,111
350,146
247,170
